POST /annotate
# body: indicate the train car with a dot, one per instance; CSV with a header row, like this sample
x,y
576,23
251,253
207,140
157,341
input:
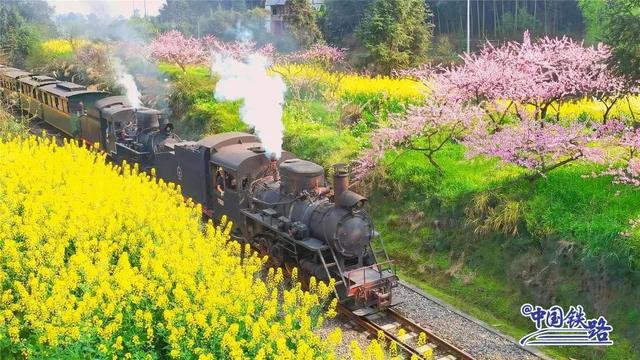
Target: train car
x,y
125,132
31,97
64,103
9,85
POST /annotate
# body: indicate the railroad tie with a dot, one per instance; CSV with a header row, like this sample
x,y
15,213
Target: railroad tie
x,y
390,326
423,349
373,317
448,357
408,336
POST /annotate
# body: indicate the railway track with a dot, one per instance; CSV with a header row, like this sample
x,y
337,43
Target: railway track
x,y
410,337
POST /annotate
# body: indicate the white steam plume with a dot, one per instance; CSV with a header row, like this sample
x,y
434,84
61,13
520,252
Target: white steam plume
x,y
263,96
126,80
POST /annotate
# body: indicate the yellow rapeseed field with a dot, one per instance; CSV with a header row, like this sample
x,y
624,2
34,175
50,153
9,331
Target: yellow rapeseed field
x,y
99,265
62,47
594,109
353,85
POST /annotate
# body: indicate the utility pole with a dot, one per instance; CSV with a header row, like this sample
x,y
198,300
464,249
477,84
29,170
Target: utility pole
x,y
468,26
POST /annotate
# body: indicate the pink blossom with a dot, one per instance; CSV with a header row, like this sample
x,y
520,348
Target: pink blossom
x,y
238,50
174,47
426,128
321,54
533,72
540,146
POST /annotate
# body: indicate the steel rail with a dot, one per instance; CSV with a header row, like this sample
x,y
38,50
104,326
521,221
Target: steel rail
x,y
407,324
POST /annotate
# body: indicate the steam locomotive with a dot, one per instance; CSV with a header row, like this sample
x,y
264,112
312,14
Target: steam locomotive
x,y
283,207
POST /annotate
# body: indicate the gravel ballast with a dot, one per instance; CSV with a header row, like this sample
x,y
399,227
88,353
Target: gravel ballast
x,y
469,334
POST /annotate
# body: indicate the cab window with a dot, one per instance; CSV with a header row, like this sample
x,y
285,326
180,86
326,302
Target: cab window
x,y
218,182
230,181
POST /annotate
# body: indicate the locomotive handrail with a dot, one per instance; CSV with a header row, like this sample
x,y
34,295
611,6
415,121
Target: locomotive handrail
x,y
272,204
364,271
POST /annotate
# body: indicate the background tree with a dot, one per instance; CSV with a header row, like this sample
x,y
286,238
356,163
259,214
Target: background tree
x,y
22,24
622,29
396,34
301,23
340,20
593,12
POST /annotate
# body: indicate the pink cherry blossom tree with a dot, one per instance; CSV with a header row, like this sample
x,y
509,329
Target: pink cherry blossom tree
x,y
625,166
238,50
539,146
426,128
543,74
323,55
493,82
174,47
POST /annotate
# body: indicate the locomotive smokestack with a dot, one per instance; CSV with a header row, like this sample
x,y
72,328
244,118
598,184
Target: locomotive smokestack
x,y
340,179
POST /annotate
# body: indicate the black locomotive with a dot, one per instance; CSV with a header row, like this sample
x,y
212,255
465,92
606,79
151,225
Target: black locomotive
x,y
283,207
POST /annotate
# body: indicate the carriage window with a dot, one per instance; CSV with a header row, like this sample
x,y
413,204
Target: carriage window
x,y
245,184
57,103
76,107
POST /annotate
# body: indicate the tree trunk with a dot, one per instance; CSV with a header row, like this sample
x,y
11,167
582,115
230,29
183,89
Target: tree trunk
x,y
429,156
495,20
609,107
515,19
633,116
545,17
478,18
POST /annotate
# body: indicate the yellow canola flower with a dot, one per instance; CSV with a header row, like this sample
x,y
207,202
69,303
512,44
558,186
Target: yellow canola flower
x,y
349,86
121,265
625,107
62,47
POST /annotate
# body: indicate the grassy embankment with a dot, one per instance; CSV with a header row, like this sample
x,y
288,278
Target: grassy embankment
x,y
567,232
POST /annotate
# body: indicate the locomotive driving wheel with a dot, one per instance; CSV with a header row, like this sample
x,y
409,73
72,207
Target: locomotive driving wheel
x,y
263,244
275,252
277,255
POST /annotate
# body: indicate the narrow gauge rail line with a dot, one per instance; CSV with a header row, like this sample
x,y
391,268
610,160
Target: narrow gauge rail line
x,y
389,322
